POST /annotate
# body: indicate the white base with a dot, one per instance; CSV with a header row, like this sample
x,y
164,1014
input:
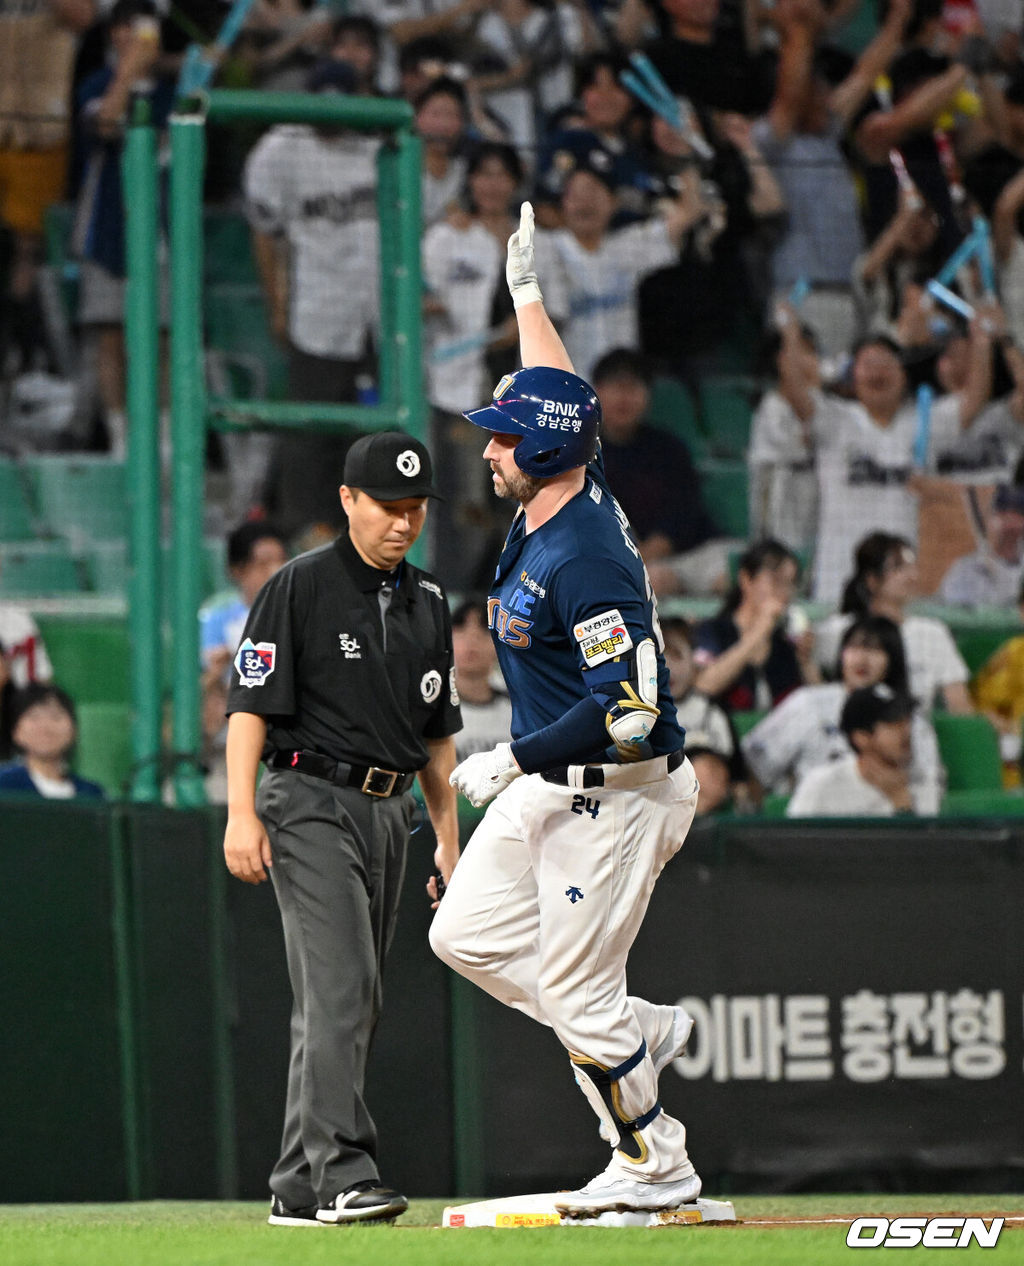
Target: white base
x,y
539,1210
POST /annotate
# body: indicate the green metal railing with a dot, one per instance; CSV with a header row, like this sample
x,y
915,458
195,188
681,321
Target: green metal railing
x,y
143,400
400,379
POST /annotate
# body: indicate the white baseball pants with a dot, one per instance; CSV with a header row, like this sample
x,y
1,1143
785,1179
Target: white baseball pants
x,y
545,904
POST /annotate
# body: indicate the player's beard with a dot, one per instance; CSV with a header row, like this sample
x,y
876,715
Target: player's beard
x,y
517,486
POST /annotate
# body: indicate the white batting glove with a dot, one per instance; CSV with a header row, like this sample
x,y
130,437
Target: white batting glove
x,y
520,268
481,776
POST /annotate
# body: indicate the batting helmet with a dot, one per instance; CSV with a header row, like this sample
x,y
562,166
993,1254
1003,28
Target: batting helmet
x,y
556,413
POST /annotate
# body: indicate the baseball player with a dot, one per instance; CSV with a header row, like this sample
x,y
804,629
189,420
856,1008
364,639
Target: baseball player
x,y
593,795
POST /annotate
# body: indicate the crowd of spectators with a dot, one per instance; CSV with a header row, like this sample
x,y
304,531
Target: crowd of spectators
x,y
785,225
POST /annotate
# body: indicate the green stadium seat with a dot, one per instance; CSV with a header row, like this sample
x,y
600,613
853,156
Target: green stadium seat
x,y
80,496
104,749
672,409
724,485
969,748
744,722
982,804
91,656
106,566
774,806
15,513
977,645
38,569
243,360
726,409
227,249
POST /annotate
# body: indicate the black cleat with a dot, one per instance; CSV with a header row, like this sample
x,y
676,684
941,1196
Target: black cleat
x,y
365,1201
282,1216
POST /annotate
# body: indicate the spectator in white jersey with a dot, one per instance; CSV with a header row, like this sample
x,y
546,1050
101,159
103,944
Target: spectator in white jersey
x,y
523,65
485,705
866,450
874,780
783,488
311,200
591,271
804,732
988,450
817,91
469,324
441,119
884,582
991,575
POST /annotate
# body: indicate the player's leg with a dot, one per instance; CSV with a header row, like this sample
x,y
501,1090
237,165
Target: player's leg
x,y
608,857
486,926
322,865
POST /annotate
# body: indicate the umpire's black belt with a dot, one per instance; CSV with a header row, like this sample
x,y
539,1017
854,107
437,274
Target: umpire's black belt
x,y
368,778
593,775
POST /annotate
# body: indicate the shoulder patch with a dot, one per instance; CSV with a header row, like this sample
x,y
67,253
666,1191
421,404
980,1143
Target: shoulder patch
x,y
597,624
431,587
603,637
255,662
595,492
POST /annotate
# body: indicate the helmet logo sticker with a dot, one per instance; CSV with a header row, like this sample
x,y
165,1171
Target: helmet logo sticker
x,y
408,463
503,386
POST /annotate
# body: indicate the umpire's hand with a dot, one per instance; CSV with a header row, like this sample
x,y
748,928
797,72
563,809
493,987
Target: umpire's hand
x,y
246,848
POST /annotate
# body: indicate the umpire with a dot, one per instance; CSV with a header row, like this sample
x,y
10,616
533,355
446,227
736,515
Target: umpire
x,y
344,685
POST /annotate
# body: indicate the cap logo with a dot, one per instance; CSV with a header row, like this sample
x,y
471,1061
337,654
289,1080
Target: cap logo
x,y
408,463
503,386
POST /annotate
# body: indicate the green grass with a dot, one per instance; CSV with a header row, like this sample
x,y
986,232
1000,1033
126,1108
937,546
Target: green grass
x,y
194,1233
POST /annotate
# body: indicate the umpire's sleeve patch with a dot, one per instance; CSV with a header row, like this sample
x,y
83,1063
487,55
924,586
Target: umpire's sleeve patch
x,y
603,637
255,662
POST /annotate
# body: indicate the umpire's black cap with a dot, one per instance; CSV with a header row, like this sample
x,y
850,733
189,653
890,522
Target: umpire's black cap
x,y
390,466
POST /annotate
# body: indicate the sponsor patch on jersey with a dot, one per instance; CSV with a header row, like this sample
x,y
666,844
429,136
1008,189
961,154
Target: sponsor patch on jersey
x,y
255,662
349,646
431,588
453,690
598,624
532,585
430,685
604,646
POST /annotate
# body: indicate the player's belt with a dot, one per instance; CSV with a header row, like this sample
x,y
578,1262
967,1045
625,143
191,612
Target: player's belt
x,y
368,778
593,775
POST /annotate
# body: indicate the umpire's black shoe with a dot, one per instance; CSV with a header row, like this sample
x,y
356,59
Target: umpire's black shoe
x,y
281,1215
365,1201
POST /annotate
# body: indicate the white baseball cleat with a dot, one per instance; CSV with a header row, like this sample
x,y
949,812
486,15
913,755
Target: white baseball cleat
x,y
610,1192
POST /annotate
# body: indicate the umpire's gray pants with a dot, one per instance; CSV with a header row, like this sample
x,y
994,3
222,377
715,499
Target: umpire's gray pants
x,y
339,857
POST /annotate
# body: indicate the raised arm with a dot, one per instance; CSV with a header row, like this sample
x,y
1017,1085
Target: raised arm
x,y
539,341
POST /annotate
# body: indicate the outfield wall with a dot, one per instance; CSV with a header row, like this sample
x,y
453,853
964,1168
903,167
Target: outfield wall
x,y
858,988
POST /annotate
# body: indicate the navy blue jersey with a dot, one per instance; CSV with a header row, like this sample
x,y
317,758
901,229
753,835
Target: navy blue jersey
x,y
570,606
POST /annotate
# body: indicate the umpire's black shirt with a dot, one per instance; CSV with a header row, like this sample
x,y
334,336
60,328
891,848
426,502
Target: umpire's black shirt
x,y
332,672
